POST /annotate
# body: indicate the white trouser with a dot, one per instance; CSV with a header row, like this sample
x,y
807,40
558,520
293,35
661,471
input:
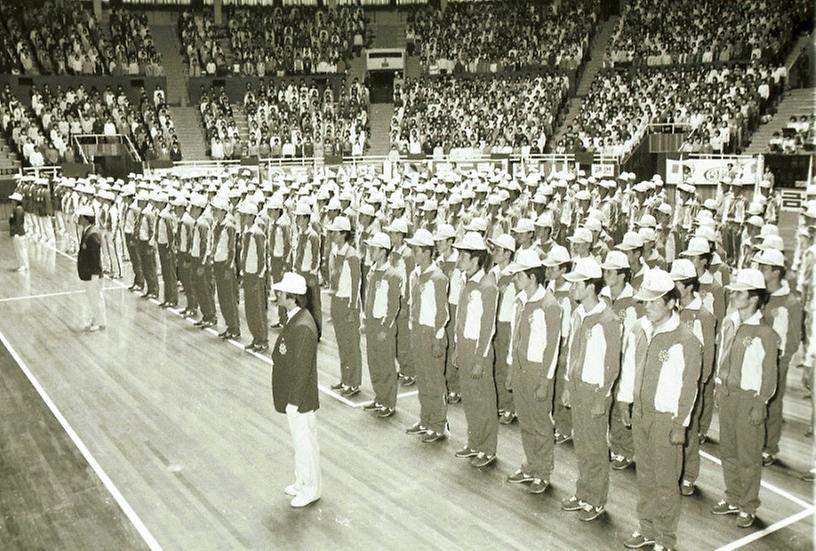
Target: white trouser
x,y
48,227
303,427
95,312
21,249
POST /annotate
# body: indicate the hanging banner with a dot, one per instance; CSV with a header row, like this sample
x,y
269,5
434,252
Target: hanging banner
x,y
712,171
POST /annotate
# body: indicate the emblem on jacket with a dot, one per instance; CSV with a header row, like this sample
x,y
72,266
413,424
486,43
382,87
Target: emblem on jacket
x,y
282,348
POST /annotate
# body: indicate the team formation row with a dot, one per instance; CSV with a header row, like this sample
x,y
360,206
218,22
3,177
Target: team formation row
x,y
614,313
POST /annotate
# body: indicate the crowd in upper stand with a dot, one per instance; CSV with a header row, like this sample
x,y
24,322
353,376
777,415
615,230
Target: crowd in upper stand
x,y
62,37
489,115
718,105
288,119
43,133
654,32
501,36
268,42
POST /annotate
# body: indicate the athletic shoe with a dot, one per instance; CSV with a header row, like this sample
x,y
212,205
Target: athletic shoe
x,y
338,386
482,460
768,459
620,462
520,477
291,490
261,348
637,540
507,418
588,512
745,520
371,406
466,453
724,508
454,397
351,391
224,334
385,412
571,504
562,438
432,436
302,501
687,488
416,428
408,381
538,486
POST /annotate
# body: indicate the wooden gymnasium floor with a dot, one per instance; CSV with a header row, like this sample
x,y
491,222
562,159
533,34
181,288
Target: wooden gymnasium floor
x,y
181,449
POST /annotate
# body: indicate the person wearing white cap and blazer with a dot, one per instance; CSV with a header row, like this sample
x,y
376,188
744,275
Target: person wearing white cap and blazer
x,y
659,376
746,380
89,268
345,306
18,232
593,364
294,386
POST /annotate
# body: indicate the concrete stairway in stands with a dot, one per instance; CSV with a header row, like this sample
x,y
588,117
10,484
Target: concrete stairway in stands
x,y
8,158
241,122
165,38
592,67
798,102
387,29
379,121
189,131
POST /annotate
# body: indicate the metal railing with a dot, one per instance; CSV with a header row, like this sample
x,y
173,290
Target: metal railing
x,y
103,139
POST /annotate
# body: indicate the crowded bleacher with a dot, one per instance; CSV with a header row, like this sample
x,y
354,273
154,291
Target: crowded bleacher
x,y
797,137
499,36
499,115
278,41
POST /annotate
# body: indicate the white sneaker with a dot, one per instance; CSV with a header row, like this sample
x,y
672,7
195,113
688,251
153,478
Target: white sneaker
x,y
302,501
94,328
291,490
22,269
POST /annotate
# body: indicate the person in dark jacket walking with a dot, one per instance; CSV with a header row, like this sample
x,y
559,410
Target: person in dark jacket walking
x,y
294,386
18,233
89,267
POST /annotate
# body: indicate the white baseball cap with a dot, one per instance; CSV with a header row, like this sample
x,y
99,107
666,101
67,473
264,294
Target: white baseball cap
x,y
706,232
400,225
367,209
615,260
656,283
544,220
198,200
772,242
747,279
302,209
631,241
526,259
291,283
697,246
682,269
472,241
477,224
581,235
593,224
379,239
340,223
85,210
248,207
647,221
504,241
756,221
524,225
558,255
16,196
585,268
421,238
647,234
220,202
444,231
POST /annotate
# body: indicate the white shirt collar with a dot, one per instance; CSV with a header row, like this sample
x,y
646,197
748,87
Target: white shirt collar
x,y
477,277
290,314
783,290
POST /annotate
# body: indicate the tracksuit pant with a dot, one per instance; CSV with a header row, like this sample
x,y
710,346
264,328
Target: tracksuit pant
x,y
691,450
185,274
707,413
381,347
562,415
147,255
227,301
621,441
479,400
167,259
773,424
202,284
347,332
404,344
535,421
502,344
451,370
255,308
132,244
658,473
430,374
741,449
589,435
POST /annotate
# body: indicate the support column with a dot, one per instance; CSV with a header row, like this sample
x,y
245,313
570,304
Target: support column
x,y
217,16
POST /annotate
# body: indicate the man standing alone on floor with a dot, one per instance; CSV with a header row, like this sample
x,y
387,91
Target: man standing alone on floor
x,y
89,267
294,386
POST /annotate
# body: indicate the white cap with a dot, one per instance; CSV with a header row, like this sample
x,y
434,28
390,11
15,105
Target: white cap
x,y
697,246
524,225
85,210
292,283
248,207
472,241
772,242
665,208
504,241
647,234
683,268
747,280
16,196
198,200
593,224
340,223
585,268
302,209
526,259
771,257
615,260
444,231
706,232
367,209
769,229
558,255
756,221
656,283
379,239
421,238
477,224
544,220
631,241
581,235
400,225
647,221
220,202
583,195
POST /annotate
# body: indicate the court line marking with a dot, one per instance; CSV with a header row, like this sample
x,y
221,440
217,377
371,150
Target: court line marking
x,y
137,523
767,485
775,527
57,294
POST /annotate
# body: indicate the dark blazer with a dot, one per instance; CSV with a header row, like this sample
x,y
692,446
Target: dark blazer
x,y
294,370
17,221
89,259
